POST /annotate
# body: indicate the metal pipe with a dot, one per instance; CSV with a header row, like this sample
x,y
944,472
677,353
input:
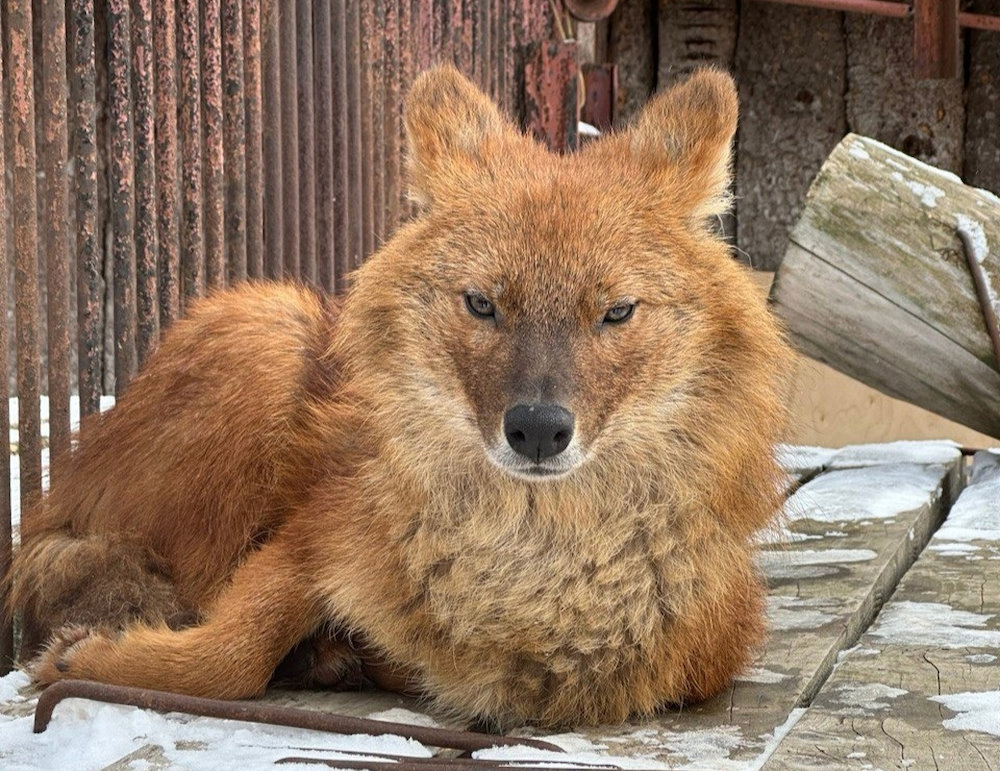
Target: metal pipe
x,y
192,255
981,283
234,138
260,712
213,151
168,197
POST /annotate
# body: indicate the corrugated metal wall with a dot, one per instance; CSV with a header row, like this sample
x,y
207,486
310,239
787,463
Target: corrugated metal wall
x,y
153,150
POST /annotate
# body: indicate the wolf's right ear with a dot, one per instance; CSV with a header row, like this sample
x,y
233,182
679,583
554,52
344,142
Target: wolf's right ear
x,y
454,132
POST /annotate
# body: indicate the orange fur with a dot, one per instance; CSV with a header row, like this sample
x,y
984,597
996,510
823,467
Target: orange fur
x,y
286,469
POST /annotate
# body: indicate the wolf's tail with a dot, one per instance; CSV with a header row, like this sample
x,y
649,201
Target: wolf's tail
x,y
59,579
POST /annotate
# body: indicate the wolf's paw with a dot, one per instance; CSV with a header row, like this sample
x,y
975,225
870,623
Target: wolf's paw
x,y
64,654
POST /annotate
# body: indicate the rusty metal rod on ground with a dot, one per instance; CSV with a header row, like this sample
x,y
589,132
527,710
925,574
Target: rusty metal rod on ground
x,y
982,293
259,712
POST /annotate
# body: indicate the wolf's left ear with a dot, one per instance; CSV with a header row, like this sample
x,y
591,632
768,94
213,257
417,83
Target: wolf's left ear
x,y
454,132
686,133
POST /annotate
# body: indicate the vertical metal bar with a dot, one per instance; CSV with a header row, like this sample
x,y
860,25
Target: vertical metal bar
x,y
234,139
407,66
254,220
392,65
189,124
88,257
354,158
290,136
324,137
22,123
274,228
146,250
213,151
55,215
376,40
342,190
168,198
122,168
6,525
306,141
366,29
935,38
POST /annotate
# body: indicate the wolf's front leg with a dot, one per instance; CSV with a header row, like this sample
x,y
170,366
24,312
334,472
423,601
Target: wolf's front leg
x,y
256,620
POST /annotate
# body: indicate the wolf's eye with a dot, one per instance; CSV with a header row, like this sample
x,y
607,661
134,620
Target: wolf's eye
x,y
479,306
619,313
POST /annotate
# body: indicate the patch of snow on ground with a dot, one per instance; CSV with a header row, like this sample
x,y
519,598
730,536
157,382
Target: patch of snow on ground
x,y
928,193
976,711
796,458
405,716
933,624
973,230
872,492
933,452
707,748
775,739
574,760
865,698
761,675
980,658
786,612
975,515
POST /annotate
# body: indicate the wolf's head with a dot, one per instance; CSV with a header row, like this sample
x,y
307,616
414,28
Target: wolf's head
x,y
544,313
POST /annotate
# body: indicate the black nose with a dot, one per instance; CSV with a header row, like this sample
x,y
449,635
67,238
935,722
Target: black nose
x,y
538,431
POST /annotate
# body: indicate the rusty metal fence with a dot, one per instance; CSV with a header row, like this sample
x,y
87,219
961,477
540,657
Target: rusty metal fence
x,y
154,150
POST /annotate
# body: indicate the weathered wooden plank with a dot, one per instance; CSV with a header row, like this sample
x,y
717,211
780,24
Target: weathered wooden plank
x,y
632,47
875,280
922,689
792,100
886,101
982,119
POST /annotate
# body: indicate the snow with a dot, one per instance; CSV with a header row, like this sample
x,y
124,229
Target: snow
x,y
90,735
933,452
974,517
761,675
864,698
980,658
973,230
775,739
867,493
928,194
914,624
976,711
800,458
858,151
787,612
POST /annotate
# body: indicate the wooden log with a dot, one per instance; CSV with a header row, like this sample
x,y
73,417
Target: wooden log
x,y
875,281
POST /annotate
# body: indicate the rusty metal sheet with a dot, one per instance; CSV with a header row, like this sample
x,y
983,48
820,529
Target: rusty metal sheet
x,y
600,82
367,29
342,190
274,226
550,93
167,196
192,256
376,44
146,249
6,551
88,260
323,101
254,127
289,138
55,215
234,140
306,141
391,95
122,169
355,193
213,151
21,102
